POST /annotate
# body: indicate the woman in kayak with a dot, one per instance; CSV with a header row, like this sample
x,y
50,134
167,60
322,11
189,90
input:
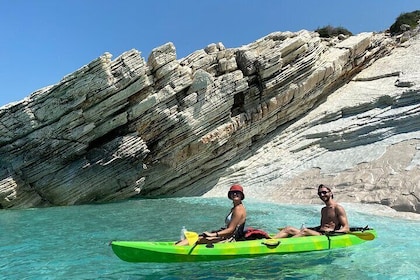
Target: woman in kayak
x,y
234,222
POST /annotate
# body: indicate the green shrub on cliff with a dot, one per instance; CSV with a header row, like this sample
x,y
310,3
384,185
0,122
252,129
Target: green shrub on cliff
x,y
330,31
410,19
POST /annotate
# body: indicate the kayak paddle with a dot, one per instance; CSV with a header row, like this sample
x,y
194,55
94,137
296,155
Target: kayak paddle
x,y
364,235
361,235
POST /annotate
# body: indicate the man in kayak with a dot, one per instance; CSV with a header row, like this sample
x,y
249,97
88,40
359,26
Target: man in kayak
x,y
234,222
333,218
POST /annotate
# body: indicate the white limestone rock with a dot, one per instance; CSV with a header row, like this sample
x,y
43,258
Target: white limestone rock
x,y
281,114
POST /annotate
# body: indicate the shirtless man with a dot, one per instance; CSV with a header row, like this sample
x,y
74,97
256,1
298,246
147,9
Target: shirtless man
x,y
333,218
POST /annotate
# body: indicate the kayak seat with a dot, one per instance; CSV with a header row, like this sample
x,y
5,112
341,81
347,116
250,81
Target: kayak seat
x,y
252,234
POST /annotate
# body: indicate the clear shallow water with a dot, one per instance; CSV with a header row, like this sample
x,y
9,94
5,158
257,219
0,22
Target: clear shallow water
x,y
72,242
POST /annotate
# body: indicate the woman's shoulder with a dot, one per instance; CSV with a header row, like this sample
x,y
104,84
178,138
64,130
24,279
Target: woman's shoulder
x,y
240,209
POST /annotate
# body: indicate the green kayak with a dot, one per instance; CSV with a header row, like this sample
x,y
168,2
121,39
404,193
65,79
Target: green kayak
x,y
162,252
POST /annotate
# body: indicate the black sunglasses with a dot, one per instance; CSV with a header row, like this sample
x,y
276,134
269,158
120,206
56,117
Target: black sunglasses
x,y
323,192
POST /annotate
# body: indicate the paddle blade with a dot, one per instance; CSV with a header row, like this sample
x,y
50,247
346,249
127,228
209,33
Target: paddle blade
x,y
192,237
364,235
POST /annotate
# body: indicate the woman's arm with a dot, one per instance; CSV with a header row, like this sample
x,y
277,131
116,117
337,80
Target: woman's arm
x,y
237,218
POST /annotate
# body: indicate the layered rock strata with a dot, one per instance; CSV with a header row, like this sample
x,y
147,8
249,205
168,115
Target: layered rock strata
x,y
121,128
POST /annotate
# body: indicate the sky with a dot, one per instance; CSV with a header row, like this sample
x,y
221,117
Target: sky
x,y
41,41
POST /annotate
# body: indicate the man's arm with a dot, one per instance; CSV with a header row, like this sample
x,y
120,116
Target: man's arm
x,y
342,219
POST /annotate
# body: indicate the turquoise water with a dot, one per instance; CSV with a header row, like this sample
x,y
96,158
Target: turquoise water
x,y
72,242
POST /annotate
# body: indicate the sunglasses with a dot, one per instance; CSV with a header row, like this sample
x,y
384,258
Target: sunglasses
x,y
323,192
235,193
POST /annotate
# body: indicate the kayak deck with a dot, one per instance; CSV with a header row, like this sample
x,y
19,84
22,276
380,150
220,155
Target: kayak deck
x,y
146,251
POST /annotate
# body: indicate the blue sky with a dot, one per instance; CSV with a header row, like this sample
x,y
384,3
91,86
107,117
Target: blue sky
x,y
41,41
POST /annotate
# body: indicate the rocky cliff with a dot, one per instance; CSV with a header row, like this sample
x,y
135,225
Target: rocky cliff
x,y
279,115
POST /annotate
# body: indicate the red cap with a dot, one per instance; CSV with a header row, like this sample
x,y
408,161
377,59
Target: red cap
x,y
236,188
